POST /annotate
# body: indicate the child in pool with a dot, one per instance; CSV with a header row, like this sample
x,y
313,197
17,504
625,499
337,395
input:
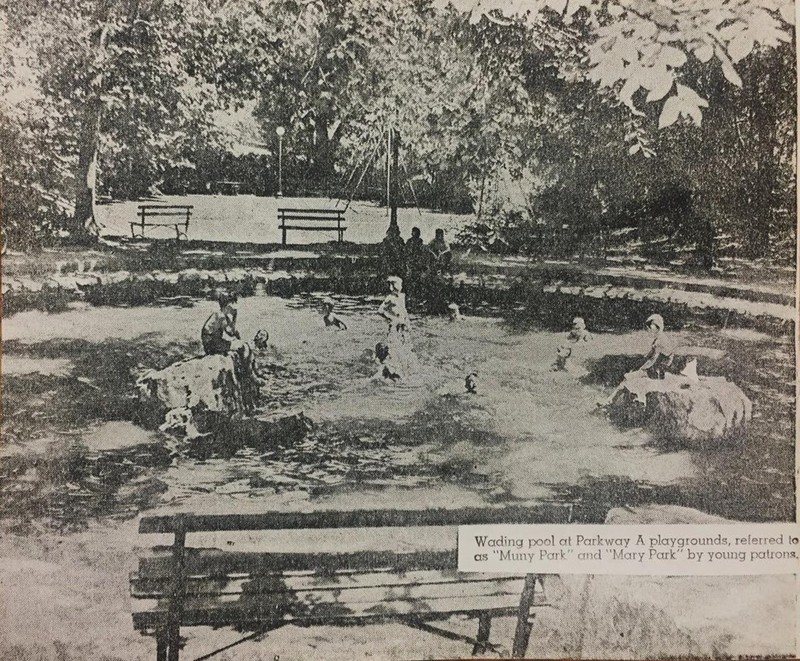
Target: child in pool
x,y
387,368
454,313
579,332
219,334
330,319
393,307
576,336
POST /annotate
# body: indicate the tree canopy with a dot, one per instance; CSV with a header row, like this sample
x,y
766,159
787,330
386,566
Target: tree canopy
x,y
587,107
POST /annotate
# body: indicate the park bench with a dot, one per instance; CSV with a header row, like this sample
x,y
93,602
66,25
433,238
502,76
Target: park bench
x,y
150,215
259,588
308,220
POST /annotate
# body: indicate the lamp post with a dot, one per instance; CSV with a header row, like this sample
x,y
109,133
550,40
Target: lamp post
x,y
280,131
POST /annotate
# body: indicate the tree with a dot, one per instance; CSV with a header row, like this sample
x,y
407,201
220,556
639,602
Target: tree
x,y
116,74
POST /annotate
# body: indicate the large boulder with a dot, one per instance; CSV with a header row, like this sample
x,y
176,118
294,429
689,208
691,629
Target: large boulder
x,y
204,401
693,411
208,383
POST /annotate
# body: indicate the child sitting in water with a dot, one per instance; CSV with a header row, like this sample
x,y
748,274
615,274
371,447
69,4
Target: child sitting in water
x,y
579,332
387,368
329,317
454,313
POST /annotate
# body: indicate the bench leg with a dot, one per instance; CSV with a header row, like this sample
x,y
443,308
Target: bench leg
x,y
283,238
161,645
523,632
173,642
484,627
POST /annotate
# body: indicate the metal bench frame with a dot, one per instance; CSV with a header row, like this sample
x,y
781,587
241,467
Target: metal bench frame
x,y
290,219
163,210
167,578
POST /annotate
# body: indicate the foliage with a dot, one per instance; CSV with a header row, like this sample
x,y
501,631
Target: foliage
x,y
588,110
642,47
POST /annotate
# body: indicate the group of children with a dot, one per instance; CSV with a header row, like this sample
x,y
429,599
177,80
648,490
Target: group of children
x,y
219,336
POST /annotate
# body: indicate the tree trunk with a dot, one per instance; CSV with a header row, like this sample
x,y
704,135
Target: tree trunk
x,y
83,224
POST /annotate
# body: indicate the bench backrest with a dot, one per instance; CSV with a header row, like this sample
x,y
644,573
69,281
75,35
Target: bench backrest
x,y
190,523
311,215
151,210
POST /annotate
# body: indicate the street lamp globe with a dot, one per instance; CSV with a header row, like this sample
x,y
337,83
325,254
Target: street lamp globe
x,y
280,131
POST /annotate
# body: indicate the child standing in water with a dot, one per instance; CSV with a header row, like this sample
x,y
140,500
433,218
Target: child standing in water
x,y
393,309
329,317
575,337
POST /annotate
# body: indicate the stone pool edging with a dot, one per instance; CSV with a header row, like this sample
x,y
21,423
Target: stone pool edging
x,y
612,297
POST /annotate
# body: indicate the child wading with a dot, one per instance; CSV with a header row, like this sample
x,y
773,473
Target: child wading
x,y
565,355
330,319
393,309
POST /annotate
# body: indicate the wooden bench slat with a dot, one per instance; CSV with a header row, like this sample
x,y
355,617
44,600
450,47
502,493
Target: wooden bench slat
x,y
145,621
263,593
331,211
163,214
214,613
321,519
208,561
166,206
147,587
173,224
315,218
299,219
311,229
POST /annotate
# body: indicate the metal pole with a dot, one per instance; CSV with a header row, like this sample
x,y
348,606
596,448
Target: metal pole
x,y
388,169
280,166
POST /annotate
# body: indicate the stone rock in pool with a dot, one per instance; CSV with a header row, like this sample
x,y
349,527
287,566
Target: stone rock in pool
x,y
691,411
207,383
202,400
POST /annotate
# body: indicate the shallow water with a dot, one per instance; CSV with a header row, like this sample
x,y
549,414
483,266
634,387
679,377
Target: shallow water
x,y
528,433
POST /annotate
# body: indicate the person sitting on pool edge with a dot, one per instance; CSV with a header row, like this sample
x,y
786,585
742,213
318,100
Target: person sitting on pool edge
x,y
658,361
578,333
329,317
662,352
219,333
441,254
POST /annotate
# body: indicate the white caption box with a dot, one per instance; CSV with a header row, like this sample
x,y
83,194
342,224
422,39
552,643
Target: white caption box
x,y
663,550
